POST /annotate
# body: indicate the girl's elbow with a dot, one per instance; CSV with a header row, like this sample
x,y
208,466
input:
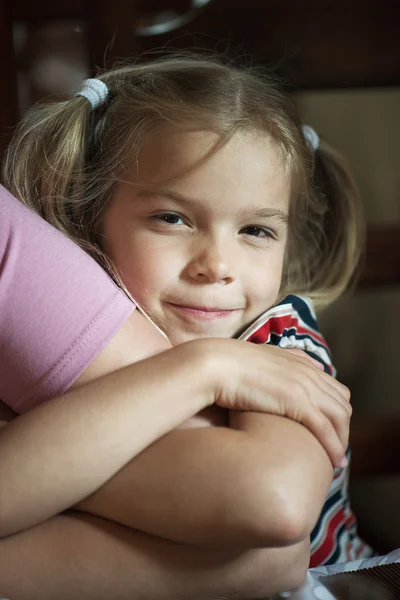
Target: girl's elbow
x,y
285,528
278,516
294,525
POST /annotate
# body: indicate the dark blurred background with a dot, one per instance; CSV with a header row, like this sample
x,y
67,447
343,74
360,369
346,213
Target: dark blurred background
x,y
341,61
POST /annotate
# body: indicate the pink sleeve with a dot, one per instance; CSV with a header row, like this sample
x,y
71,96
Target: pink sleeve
x,y
58,308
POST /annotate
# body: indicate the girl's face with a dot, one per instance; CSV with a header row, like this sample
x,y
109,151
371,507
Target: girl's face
x,y
201,249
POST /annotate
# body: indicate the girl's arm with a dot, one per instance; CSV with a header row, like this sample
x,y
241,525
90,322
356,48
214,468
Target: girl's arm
x,y
260,484
79,556
86,436
73,555
236,486
307,472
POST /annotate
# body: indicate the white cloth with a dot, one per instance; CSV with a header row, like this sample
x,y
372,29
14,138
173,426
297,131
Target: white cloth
x,y
313,589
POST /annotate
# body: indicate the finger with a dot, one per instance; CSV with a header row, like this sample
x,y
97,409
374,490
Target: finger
x,y
324,431
339,418
327,399
301,354
340,387
313,404
340,391
327,386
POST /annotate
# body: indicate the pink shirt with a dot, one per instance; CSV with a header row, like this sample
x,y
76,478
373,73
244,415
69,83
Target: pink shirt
x,y
58,308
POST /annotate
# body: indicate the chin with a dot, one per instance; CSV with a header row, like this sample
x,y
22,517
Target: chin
x,y
183,336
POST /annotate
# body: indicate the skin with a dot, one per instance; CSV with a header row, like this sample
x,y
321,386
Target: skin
x,y
222,223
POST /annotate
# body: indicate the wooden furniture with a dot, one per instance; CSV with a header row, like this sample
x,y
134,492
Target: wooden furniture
x,y
322,43
316,43
8,96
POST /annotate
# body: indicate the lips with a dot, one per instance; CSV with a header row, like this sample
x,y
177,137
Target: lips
x,y
203,312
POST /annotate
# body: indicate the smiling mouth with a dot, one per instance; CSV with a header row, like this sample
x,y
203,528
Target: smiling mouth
x,y
203,312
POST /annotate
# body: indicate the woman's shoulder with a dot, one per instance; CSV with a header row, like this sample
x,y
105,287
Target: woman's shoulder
x,y
58,307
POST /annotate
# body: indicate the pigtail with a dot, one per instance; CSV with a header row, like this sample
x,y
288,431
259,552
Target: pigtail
x,y
339,228
44,164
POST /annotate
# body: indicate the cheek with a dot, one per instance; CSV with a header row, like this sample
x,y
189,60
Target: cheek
x,y
266,278
144,273
131,260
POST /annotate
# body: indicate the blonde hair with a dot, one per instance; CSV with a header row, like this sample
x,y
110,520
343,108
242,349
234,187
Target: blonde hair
x,y
65,159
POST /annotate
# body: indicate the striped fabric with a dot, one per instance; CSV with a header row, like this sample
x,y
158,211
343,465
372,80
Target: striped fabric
x,y
292,324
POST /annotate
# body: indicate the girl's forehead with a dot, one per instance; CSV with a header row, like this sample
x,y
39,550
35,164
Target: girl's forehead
x,y
246,170
179,155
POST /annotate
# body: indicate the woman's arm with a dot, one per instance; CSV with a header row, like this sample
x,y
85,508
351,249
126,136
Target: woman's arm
x,y
79,556
87,435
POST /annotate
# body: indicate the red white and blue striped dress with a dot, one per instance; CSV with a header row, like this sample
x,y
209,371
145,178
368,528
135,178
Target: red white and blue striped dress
x,y
292,324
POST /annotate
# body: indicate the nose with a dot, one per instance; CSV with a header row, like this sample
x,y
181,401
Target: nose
x,y
212,262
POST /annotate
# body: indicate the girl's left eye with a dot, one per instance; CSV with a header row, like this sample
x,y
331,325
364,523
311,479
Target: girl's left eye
x,y
170,218
258,232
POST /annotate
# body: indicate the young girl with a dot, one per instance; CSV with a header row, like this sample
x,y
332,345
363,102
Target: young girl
x,y
75,556
204,242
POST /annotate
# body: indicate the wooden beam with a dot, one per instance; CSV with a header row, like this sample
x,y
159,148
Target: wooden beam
x,y
110,31
317,43
45,10
8,96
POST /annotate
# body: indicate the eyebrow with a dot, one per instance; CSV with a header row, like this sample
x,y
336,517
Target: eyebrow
x,y
261,212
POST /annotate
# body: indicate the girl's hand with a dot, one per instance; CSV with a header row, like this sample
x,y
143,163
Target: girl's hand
x,y
288,383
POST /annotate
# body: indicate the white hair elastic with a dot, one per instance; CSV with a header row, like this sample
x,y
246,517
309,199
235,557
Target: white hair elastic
x,y
312,137
95,91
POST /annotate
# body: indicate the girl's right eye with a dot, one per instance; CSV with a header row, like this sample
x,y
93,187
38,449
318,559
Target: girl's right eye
x,y
170,218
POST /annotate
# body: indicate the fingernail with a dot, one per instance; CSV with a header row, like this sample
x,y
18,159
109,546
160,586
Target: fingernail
x,y
343,463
